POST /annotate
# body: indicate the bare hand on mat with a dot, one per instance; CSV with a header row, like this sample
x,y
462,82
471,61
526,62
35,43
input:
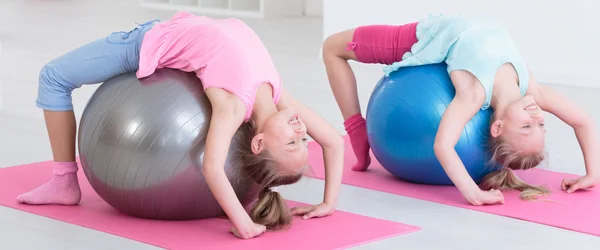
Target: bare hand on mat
x,y
250,232
490,197
572,185
308,212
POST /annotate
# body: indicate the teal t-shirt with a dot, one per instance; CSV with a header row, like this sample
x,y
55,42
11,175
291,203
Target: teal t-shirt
x,y
477,45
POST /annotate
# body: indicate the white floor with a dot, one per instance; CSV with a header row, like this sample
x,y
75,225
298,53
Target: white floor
x,y
34,32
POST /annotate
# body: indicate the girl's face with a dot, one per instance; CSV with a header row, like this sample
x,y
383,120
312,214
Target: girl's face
x,y
284,136
522,125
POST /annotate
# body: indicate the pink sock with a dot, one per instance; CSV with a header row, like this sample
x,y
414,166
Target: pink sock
x,y
357,131
63,189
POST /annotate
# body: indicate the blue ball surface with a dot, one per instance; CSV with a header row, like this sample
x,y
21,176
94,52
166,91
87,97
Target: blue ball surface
x,y
403,116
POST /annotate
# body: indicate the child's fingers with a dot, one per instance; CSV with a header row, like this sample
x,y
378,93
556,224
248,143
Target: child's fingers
x,y
497,193
563,185
233,230
496,197
500,197
574,187
567,183
301,210
313,213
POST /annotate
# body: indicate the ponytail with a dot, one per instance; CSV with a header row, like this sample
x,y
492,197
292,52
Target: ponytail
x,y
505,179
510,159
271,210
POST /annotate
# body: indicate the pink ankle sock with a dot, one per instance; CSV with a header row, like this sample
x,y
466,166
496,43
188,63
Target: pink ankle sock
x,y
62,189
357,131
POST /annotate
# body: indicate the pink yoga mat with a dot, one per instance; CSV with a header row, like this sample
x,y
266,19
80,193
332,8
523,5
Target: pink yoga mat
x,y
341,230
579,211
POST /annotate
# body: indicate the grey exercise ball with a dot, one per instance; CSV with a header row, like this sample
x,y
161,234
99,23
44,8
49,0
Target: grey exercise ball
x,y
141,145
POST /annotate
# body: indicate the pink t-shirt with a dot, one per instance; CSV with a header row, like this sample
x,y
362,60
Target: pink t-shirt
x,y
224,53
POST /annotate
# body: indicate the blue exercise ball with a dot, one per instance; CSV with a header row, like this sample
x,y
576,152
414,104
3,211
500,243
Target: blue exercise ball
x,y
403,116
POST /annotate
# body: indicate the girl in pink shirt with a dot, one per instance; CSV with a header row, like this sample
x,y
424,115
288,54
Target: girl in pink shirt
x,y
245,91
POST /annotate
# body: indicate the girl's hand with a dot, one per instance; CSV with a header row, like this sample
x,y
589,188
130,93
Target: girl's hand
x,y
332,145
227,115
585,130
490,197
572,185
308,212
247,233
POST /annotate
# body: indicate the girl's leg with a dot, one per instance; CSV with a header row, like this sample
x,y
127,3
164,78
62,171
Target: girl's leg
x,y
336,53
92,63
381,44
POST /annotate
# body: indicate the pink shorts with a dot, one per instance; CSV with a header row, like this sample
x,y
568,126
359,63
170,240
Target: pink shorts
x,y
383,44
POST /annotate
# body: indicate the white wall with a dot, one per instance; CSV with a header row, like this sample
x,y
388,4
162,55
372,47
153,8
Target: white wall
x,y
559,39
313,7
1,94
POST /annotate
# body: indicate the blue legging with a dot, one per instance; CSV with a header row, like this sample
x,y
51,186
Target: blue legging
x,y
93,63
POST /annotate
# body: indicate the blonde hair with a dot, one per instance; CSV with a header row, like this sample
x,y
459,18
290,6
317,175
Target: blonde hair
x,y
270,209
510,159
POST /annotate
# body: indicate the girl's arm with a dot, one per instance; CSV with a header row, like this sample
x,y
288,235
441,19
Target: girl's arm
x,y
329,139
460,111
570,113
227,116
